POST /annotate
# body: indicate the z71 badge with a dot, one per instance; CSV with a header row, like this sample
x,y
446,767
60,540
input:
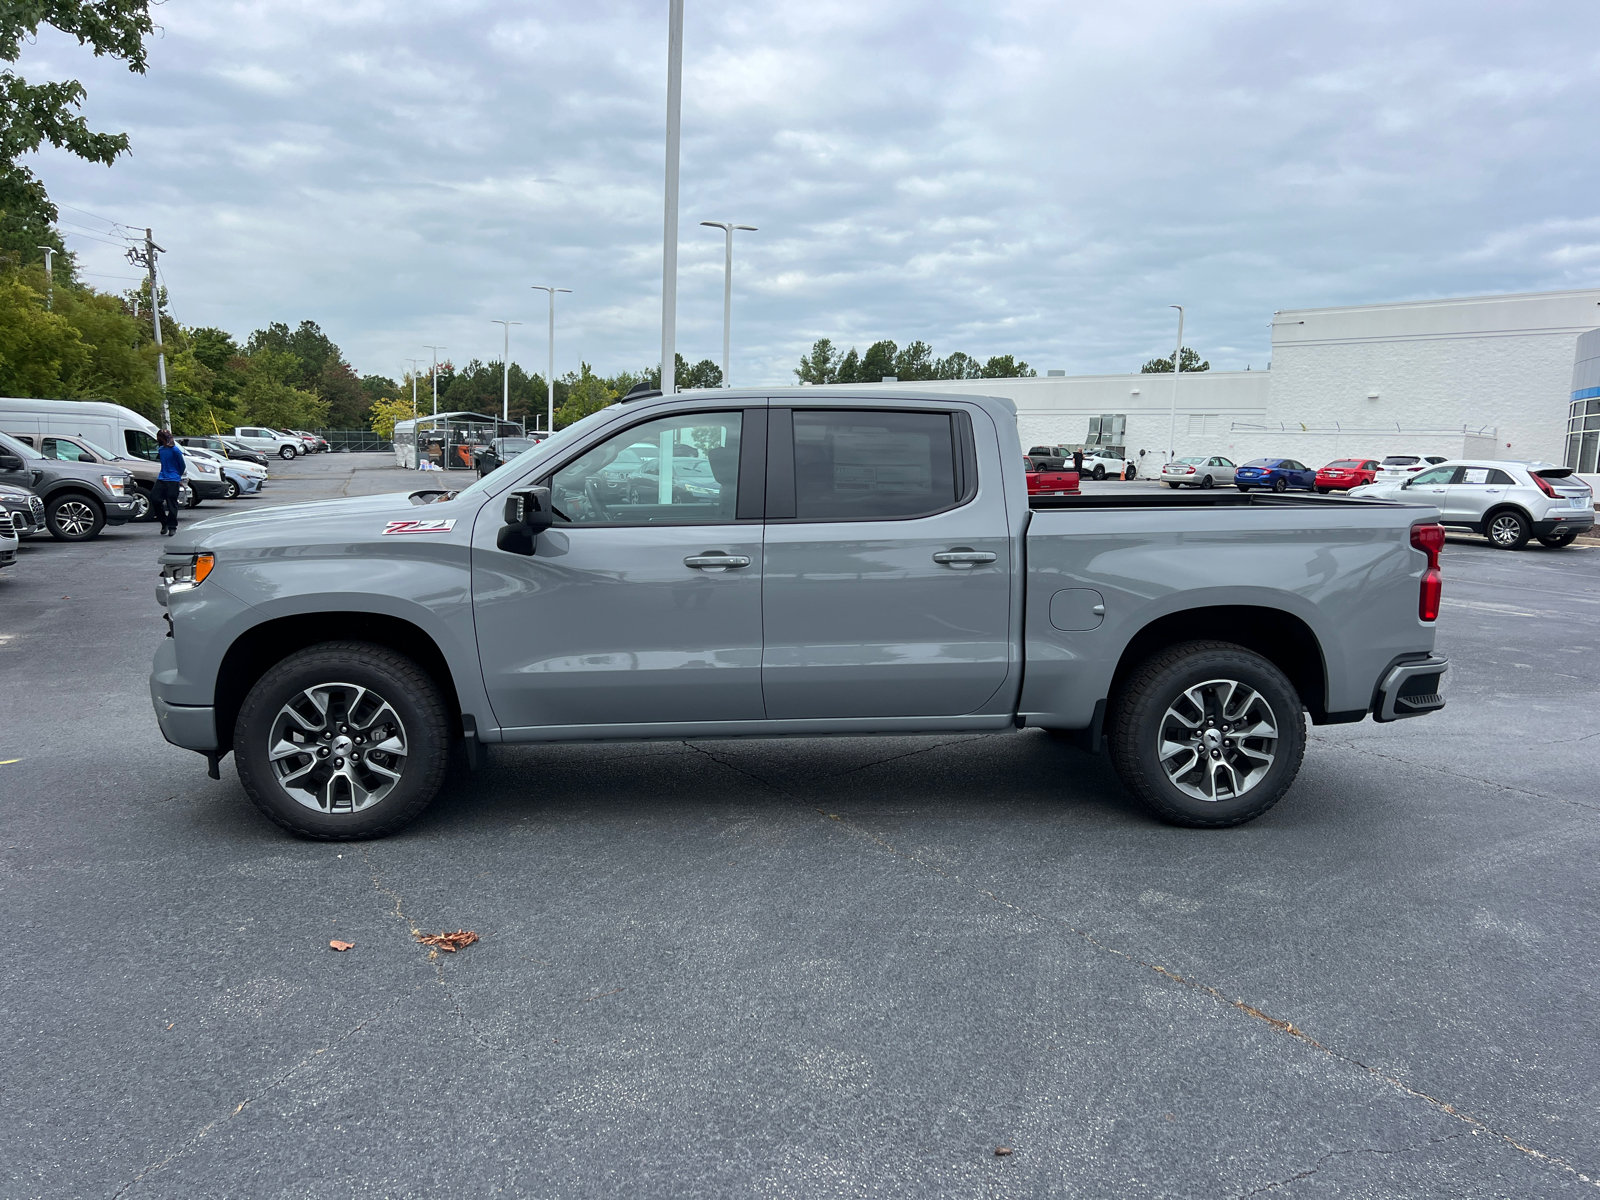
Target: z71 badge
x,y
420,526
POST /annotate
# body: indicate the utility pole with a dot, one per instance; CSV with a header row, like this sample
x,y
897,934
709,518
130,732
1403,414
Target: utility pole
x,y
727,293
415,363
146,258
669,237
505,368
49,277
436,350
1177,366
550,368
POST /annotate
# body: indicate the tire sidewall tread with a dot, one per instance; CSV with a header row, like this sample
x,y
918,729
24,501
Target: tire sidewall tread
x,y
402,683
1142,699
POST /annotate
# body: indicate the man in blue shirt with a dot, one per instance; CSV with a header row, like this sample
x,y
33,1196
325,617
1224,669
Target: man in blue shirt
x,y
165,493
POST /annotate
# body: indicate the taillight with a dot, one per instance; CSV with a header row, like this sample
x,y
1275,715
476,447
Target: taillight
x,y
1430,540
1544,485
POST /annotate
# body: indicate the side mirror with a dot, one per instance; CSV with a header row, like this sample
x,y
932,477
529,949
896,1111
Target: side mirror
x,y
527,515
9,462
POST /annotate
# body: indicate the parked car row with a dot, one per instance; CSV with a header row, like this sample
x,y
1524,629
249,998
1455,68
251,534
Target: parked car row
x,y
1098,461
285,443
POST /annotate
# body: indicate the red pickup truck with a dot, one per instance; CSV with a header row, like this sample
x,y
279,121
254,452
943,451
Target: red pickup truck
x,y
1042,481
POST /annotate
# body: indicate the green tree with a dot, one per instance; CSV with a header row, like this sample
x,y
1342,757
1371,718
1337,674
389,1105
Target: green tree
x,y
33,114
878,362
1004,366
915,362
1163,366
704,374
586,393
386,412
268,398
849,368
41,354
214,347
957,366
821,365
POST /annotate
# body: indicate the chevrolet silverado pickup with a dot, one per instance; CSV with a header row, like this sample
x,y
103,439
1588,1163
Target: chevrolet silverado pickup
x,y
796,563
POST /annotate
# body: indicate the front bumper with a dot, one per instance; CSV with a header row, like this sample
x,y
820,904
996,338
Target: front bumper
x,y
1410,689
119,512
189,727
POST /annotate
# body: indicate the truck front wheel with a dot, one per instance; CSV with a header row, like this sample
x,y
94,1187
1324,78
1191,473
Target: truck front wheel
x,y
342,741
1207,734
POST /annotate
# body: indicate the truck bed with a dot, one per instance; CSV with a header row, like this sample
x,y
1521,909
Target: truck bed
x,y
1189,500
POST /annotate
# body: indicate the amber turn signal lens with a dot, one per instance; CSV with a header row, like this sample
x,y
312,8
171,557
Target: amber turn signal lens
x,y
202,566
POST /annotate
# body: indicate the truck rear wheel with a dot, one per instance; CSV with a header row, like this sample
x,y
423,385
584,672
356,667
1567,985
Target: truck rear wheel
x,y
342,741
1207,734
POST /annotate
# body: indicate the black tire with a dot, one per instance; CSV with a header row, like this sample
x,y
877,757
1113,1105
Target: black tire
x,y
1174,486
287,452
1141,708
1558,540
143,508
410,694
1100,471
1322,491
74,517
1130,472
1280,486
1243,487
194,499
1507,530
230,489
1208,482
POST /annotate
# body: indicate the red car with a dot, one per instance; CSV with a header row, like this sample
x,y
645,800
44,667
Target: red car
x,y
1042,481
1345,474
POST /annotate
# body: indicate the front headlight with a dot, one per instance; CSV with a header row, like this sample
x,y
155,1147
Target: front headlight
x,y
117,485
188,574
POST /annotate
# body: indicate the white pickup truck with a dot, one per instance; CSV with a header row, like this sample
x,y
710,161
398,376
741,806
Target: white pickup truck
x,y
269,441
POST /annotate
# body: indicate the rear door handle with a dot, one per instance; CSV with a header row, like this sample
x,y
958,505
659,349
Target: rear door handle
x,y
963,556
717,560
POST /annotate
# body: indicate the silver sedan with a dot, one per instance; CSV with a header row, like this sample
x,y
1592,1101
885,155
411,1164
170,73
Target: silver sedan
x,y
1198,470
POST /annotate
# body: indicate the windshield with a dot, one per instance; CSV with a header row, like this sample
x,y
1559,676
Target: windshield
x,y
18,448
516,445
100,451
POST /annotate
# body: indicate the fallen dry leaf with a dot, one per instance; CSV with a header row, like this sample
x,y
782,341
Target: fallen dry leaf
x,y
1001,1151
448,941
338,945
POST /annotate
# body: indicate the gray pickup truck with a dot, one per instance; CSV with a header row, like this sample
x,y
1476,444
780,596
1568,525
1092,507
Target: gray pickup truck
x,y
787,563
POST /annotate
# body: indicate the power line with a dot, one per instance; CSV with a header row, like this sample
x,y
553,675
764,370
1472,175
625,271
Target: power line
x,y
96,216
91,237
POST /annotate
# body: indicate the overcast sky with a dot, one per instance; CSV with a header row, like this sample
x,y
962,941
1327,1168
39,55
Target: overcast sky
x,y
1033,178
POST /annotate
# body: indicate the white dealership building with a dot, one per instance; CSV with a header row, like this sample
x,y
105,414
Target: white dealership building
x,y
1482,376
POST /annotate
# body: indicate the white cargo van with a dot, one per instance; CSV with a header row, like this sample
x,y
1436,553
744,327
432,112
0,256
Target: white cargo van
x,y
118,429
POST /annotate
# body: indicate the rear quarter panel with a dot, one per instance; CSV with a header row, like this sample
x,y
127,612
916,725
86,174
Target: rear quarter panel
x,y
1347,570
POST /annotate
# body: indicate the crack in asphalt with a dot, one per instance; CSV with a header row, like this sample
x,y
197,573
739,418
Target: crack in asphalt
x,y
1332,1154
196,1138
1504,787
1287,1028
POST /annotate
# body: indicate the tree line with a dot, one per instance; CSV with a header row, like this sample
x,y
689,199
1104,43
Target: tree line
x,y
827,364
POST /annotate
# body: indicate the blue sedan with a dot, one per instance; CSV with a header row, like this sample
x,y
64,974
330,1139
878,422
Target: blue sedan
x,y
1275,474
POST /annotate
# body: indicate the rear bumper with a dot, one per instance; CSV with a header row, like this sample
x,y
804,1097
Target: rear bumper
x,y
1579,521
1410,689
209,489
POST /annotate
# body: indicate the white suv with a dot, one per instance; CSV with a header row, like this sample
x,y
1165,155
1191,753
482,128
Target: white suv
x,y
1507,502
269,441
1397,467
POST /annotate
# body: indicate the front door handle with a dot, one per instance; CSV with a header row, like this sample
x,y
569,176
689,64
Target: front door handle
x,y
717,560
962,555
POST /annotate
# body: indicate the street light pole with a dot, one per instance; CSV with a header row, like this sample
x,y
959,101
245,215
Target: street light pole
x,y
505,368
727,292
436,350
669,236
1177,365
415,363
550,367
49,277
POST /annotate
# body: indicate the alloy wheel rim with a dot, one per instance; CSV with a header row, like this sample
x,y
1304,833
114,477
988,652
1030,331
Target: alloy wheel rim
x,y
337,748
1504,530
1217,740
141,506
74,517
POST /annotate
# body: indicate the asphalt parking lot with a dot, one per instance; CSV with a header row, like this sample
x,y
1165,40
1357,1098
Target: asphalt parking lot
x,y
804,968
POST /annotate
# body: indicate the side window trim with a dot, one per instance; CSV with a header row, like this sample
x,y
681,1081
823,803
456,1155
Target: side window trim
x,y
781,503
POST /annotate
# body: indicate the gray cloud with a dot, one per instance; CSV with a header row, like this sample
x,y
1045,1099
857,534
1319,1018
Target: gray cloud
x,y
1021,177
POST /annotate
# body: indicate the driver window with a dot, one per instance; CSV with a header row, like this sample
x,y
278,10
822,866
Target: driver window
x,y
65,451
683,468
1434,478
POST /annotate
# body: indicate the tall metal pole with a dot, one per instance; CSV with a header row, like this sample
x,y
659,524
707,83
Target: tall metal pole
x,y
505,369
1177,365
49,277
415,363
435,350
150,250
550,368
669,235
727,293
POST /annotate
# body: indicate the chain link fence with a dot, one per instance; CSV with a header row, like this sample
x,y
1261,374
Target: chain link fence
x,y
355,441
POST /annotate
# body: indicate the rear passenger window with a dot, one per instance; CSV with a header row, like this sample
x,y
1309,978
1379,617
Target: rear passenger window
x,y
868,466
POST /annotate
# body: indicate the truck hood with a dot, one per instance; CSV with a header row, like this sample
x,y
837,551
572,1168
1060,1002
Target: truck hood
x,y
293,524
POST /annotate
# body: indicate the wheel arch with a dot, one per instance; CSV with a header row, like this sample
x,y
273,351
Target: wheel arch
x,y
1505,507
261,647
1281,637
